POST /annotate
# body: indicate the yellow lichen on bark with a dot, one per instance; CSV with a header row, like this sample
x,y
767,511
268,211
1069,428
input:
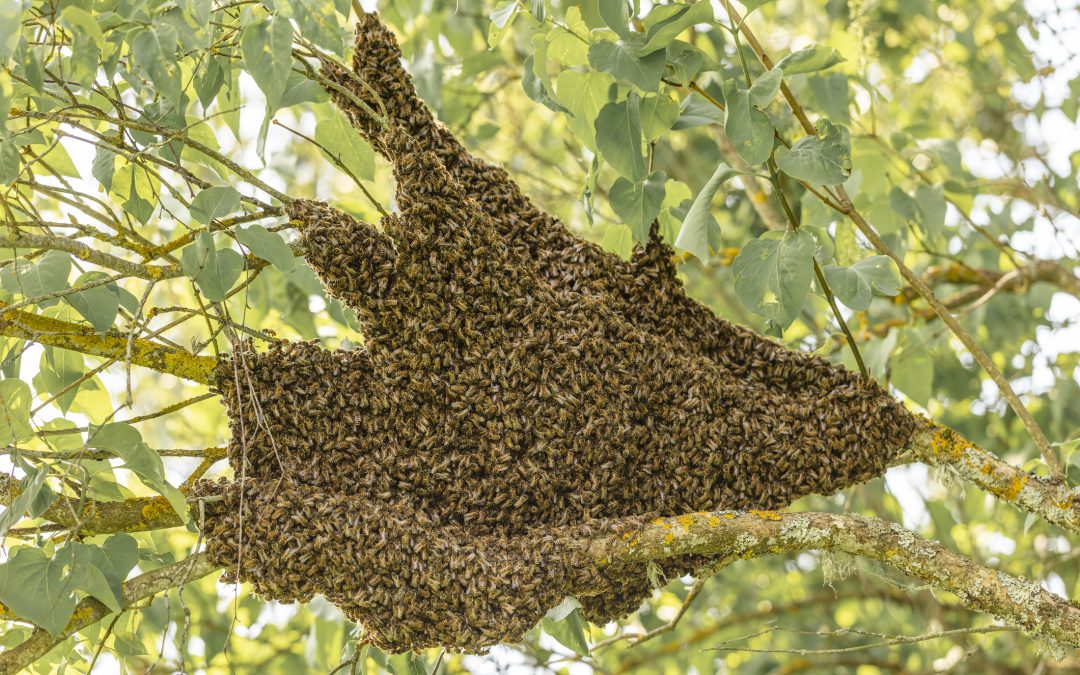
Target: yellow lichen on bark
x,y
66,335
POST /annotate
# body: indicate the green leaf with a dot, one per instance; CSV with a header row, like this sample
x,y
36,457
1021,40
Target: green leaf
x,y
269,246
34,497
15,398
684,60
823,159
33,279
153,52
810,59
584,94
300,89
407,663
855,286
98,305
618,58
267,54
124,441
104,166
569,632
337,136
751,5
563,609
318,22
59,369
57,157
765,88
209,82
534,86
213,270
750,130
665,22
694,235
932,207
903,203
10,161
214,202
137,190
618,137
772,275
32,585
638,203
100,571
658,113
501,19
11,13
615,15
503,12
824,249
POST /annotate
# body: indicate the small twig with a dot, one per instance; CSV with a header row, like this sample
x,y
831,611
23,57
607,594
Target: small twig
x,y
890,641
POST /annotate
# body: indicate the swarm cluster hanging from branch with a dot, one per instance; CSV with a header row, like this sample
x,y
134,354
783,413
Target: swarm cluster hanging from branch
x,y
519,389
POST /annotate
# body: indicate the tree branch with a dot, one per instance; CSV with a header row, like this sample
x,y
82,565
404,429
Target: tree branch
x,y
66,335
90,517
90,611
735,535
1051,498
729,536
89,254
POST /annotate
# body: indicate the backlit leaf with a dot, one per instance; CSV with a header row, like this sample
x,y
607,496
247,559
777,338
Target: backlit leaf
x,y
772,275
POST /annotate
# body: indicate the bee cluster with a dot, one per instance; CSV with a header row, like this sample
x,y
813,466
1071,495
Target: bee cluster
x,y
519,390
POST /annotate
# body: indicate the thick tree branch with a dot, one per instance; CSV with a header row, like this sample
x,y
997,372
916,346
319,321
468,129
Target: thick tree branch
x,y
728,536
1051,498
90,611
1045,271
89,517
733,536
66,335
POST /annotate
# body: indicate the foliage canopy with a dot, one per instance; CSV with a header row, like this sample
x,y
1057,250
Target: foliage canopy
x,y
150,147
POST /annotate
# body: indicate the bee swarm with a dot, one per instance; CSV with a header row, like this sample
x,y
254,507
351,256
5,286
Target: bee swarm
x,y
519,390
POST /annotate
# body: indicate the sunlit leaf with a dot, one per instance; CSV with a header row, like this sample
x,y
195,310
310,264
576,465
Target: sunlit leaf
x,y
773,273
694,235
823,159
638,203
340,140
267,245
32,585
124,441
810,59
618,137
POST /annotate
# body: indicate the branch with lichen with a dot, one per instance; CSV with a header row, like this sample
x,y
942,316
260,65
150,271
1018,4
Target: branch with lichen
x,y
84,251
66,335
90,517
1050,498
89,611
728,536
737,535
